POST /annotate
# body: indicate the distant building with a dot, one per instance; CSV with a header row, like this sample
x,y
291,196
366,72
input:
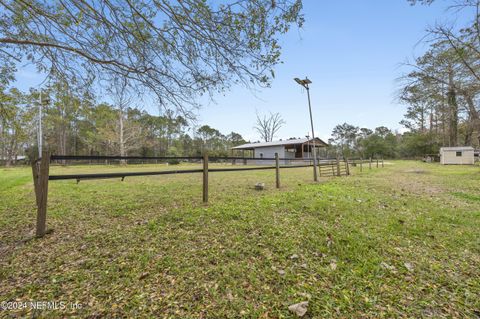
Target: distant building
x,y
301,148
460,155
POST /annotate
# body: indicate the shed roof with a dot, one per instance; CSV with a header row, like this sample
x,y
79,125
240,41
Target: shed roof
x,y
297,141
456,148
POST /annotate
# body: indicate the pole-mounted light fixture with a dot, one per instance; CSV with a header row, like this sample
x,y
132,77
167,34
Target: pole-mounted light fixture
x,y
304,82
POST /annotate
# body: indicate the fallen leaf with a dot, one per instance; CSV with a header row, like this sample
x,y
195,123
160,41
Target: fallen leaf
x,y
333,265
409,266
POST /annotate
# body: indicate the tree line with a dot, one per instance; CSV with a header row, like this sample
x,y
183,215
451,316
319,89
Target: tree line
x,y
352,141
441,93
74,124
442,89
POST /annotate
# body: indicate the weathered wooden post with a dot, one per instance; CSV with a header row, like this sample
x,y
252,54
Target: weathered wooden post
x,y
370,164
42,193
277,170
338,166
35,179
347,167
205,177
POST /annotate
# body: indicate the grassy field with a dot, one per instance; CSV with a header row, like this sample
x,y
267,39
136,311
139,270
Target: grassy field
x,y
402,241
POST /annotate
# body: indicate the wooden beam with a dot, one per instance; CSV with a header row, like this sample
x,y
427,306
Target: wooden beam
x,y
35,172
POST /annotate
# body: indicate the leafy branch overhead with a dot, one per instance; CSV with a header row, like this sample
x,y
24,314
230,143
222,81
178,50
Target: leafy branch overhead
x,y
175,49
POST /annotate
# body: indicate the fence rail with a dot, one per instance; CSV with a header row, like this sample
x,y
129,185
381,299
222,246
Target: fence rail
x,y
41,176
166,158
181,171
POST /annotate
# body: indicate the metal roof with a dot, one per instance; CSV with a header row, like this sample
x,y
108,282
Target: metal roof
x,y
457,148
279,143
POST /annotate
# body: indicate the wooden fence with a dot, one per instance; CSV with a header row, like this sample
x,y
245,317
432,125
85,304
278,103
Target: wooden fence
x,y
41,175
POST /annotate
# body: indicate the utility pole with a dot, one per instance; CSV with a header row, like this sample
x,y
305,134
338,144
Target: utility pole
x,y
43,102
40,129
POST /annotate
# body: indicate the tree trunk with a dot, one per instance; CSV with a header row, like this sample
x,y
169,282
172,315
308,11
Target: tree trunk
x,y
122,137
453,111
62,141
468,135
474,117
422,121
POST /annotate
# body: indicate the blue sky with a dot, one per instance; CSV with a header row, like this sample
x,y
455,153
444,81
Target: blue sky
x,y
352,51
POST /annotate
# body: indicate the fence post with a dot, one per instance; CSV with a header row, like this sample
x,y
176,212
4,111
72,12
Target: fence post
x,y
370,164
347,167
377,162
42,194
338,166
205,177
35,179
361,166
277,170
382,162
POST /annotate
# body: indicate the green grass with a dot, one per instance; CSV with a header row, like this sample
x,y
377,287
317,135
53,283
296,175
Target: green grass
x,y
402,241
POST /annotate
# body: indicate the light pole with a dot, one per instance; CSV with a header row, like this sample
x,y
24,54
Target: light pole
x,y
41,103
305,84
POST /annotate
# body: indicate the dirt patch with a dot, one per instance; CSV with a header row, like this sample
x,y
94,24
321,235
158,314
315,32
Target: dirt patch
x,y
417,171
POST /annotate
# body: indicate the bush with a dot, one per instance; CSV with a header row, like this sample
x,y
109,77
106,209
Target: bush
x,y
173,161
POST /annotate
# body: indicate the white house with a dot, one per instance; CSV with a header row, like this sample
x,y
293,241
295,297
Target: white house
x,y
301,148
460,155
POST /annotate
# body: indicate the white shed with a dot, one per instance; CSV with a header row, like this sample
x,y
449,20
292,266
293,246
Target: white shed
x,y
460,155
